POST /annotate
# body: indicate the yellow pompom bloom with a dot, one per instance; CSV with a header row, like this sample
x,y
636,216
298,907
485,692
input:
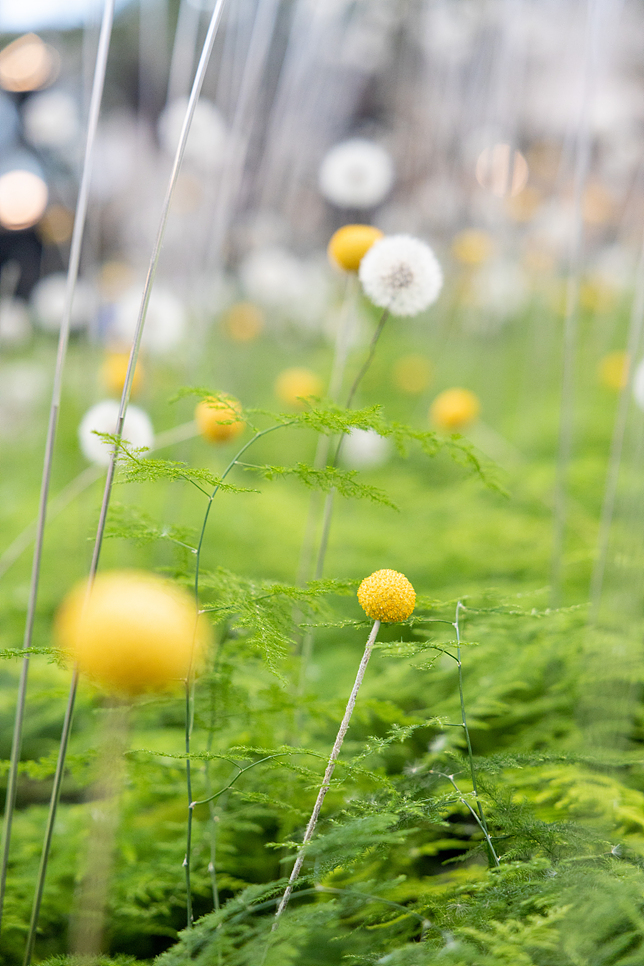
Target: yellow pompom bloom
x,y
613,371
218,420
136,633
293,385
472,246
412,374
243,322
387,596
350,244
114,371
454,408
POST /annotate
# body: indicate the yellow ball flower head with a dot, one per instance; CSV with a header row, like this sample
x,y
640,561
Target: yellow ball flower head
x,y
350,244
454,409
387,596
294,385
218,420
243,322
613,371
136,633
114,371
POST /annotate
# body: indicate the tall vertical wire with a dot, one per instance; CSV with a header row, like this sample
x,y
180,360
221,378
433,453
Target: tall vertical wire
x,y
63,340
125,398
567,409
636,328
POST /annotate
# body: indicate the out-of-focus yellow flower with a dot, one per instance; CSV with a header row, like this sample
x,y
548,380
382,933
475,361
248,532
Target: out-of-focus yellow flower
x,y
114,371
613,371
350,244
412,374
243,322
294,385
136,632
218,420
472,246
387,596
596,295
454,409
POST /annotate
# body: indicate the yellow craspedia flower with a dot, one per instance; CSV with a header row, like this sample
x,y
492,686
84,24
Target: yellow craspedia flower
x,y
350,244
218,420
136,633
387,596
472,246
114,371
293,385
412,374
454,408
243,322
613,371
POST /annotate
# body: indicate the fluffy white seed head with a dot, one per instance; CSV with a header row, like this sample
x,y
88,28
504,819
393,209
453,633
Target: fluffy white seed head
x,y
356,174
165,322
102,418
48,302
208,134
402,274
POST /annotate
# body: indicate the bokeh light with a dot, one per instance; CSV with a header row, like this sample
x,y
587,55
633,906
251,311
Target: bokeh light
x,y
23,199
27,64
502,170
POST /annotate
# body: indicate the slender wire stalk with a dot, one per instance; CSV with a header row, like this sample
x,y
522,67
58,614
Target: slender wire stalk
x,y
125,398
190,682
492,856
63,340
328,774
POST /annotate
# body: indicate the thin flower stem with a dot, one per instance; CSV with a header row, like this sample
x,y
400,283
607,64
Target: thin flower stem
x,y
125,398
327,515
190,682
477,819
328,774
492,856
72,275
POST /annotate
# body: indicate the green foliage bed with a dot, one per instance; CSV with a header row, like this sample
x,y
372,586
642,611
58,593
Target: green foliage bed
x,y
398,871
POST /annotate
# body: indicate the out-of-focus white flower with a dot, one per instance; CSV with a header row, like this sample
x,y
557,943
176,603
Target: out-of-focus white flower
x,y
15,327
102,418
208,134
48,302
278,280
165,322
356,174
51,119
638,385
364,448
402,274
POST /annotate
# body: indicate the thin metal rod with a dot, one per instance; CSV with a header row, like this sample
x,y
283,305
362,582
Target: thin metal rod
x,y
617,443
324,787
63,340
125,398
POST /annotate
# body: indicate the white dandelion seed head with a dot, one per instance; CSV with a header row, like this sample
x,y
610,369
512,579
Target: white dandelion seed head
x,y
208,133
356,174
364,448
165,321
48,302
402,274
102,418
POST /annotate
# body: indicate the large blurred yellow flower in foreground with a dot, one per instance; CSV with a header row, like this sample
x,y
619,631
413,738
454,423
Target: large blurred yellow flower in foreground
x,y
219,420
135,633
387,596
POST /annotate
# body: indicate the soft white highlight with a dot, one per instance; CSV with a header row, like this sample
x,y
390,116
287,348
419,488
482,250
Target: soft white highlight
x,y
402,274
102,418
48,302
638,385
365,449
208,136
356,174
165,323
